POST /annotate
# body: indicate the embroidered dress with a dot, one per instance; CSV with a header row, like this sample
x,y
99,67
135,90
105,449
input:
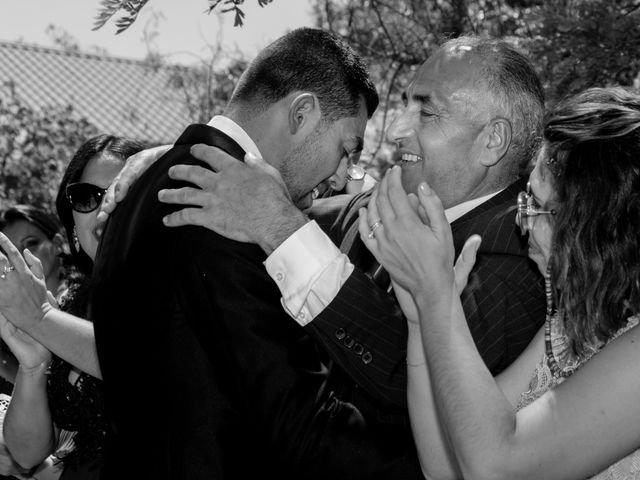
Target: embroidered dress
x,y
77,408
558,363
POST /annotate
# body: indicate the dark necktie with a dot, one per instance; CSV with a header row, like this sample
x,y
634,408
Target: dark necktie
x,y
376,272
380,276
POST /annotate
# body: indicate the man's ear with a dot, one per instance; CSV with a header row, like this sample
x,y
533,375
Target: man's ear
x,y
304,113
498,140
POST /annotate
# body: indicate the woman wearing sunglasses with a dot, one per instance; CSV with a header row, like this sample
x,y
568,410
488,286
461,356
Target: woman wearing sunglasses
x,y
569,406
60,392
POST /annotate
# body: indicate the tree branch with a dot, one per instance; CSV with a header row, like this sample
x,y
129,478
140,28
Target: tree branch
x,y
386,107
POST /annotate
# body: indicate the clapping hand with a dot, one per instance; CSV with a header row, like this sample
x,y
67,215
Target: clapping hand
x,y
413,241
24,298
29,352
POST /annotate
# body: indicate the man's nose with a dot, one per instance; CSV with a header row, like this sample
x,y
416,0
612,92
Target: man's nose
x,y
399,128
338,180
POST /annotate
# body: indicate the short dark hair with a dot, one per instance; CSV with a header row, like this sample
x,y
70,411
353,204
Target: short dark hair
x,y
117,146
47,222
311,60
593,155
513,81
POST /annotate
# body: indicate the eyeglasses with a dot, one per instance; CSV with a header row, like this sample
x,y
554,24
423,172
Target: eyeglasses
x,y
84,197
527,209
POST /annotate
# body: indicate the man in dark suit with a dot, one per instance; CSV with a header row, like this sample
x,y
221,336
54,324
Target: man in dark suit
x,y
469,128
205,375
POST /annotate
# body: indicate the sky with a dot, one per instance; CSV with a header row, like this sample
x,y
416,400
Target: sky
x,y
184,32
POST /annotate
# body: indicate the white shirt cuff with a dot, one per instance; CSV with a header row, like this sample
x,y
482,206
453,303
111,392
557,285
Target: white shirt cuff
x,y
309,271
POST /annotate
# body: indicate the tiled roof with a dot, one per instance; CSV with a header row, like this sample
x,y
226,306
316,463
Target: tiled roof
x,y
119,96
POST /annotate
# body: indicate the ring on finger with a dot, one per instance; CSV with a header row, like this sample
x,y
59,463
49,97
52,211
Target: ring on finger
x,y
5,270
372,228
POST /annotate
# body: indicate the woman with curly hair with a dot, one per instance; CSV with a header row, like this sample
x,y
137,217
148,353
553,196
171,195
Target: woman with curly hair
x,y
568,407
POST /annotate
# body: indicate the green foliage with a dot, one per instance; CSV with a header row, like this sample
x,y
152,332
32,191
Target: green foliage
x,y
131,8
109,8
232,6
206,88
580,44
35,148
62,39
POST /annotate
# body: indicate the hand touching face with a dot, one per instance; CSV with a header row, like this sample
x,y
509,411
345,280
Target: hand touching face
x,y
413,239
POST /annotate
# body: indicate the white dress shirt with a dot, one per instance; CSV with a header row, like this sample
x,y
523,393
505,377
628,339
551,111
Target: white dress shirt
x,y
235,131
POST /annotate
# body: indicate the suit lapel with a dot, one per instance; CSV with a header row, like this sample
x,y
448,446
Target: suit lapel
x,y
200,133
338,217
500,200
494,221
345,230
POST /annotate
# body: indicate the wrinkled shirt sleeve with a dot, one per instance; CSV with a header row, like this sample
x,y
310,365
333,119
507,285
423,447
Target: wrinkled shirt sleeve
x,y
309,271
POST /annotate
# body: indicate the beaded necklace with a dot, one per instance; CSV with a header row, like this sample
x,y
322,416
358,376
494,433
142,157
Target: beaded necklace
x,y
551,359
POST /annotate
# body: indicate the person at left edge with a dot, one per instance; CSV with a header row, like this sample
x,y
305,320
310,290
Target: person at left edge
x,y
57,403
28,226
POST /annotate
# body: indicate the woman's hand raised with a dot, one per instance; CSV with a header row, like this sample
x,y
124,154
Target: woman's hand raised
x,y
411,237
24,298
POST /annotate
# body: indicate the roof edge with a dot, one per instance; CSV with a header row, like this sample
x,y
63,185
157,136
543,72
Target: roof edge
x,y
17,45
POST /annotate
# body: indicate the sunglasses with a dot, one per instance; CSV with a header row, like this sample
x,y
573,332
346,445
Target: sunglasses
x,y
84,197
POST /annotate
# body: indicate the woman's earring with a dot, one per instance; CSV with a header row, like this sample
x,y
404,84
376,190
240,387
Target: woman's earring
x,y
76,242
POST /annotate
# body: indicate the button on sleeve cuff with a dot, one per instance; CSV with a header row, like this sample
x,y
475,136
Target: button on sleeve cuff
x,y
309,270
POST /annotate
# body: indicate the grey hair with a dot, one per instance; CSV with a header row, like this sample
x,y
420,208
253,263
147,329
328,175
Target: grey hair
x,y
516,88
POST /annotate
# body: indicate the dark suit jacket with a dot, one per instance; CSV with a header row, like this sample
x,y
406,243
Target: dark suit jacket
x,y
205,374
503,301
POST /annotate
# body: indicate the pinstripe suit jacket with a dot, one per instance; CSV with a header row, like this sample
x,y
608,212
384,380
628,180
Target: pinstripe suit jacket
x,y
364,330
